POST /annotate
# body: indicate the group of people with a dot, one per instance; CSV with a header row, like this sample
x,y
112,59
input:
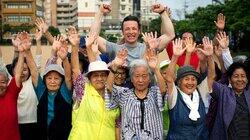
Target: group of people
x,y
197,93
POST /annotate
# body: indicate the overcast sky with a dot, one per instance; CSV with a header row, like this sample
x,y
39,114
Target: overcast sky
x,y
177,6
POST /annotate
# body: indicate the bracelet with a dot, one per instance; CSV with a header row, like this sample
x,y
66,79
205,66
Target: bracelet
x,y
162,11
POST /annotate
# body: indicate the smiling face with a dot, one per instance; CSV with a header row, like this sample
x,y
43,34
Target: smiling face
x,y
238,80
3,84
53,81
26,73
188,84
130,31
140,78
120,76
98,79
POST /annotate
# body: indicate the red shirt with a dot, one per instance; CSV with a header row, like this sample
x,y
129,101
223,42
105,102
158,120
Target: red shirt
x,y
194,60
9,129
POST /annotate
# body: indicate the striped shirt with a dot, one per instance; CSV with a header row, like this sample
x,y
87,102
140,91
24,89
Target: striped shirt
x,y
141,118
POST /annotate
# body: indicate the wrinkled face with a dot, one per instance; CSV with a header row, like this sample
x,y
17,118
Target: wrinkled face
x,y
188,84
25,74
120,76
3,84
98,79
238,80
130,31
53,81
186,36
140,78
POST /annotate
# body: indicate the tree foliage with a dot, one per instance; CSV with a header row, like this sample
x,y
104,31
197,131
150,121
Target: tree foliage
x,y
54,31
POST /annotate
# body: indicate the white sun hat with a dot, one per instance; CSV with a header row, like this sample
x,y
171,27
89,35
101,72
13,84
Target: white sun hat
x,y
97,66
164,63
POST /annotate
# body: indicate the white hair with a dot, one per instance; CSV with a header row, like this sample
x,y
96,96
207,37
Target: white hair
x,y
138,63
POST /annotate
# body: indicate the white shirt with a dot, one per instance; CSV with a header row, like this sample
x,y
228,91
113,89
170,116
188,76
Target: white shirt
x,y
27,104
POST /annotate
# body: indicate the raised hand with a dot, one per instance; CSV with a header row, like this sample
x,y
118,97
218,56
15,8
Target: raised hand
x,y
41,25
105,9
15,40
157,8
152,58
190,45
73,36
168,11
25,40
120,59
63,50
38,35
220,23
57,43
178,50
208,47
223,40
151,40
90,39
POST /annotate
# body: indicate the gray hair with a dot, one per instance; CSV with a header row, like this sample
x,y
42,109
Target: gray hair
x,y
138,63
240,58
4,72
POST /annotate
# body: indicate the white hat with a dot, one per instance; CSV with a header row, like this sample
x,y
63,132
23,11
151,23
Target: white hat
x,y
53,67
164,63
97,66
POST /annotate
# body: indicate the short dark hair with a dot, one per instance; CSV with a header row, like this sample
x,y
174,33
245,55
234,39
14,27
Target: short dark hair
x,y
234,66
131,18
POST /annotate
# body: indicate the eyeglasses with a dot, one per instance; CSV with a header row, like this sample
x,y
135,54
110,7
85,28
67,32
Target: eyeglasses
x,y
120,73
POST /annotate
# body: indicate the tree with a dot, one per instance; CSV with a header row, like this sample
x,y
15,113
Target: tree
x,y
54,31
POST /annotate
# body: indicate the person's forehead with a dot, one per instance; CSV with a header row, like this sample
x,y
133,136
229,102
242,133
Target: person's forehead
x,y
239,71
2,77
186,35
130,23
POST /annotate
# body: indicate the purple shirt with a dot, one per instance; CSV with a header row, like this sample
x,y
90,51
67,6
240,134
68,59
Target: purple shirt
x,y
226,109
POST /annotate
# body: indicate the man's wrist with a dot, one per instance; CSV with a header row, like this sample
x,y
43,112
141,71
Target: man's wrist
x,y
162,11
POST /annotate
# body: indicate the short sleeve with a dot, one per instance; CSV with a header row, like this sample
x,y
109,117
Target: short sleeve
x,y
111,49
172,97
158,97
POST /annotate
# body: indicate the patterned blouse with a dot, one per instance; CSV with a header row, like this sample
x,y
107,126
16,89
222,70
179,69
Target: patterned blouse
x,y
141,118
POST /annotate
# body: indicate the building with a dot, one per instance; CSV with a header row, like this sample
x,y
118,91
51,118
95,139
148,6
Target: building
x,y
146,14
50,12
66,14
86,14
18,12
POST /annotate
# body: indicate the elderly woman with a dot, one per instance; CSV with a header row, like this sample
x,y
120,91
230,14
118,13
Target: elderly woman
x,y
91,120
53,91
141,105
186,100
8,100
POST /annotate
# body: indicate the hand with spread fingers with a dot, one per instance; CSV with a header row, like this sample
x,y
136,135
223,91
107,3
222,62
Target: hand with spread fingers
x,y
190,45
63,50
151,40
220,23
120,59
223,40
178,49
57,43
152,58
208,47
41,25
15,40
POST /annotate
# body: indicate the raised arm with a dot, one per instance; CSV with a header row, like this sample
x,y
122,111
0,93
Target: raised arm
x,y
96,26
38,36
119,61
16,42
19,65
178,50
167,27
26,43
62,53
153,62
42,26
92,47
208,52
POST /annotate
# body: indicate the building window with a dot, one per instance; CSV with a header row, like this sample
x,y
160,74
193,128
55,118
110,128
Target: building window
x,y
16,18
18,5
123,7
